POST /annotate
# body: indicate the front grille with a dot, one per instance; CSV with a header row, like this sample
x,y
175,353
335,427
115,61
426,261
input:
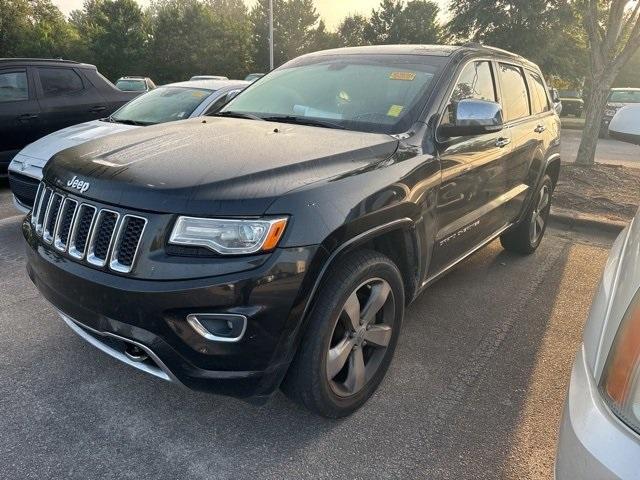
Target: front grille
x,y
86,232
24,188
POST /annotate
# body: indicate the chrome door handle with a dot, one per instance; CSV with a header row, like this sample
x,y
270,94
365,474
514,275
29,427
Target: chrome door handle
x,y
540,129
503,142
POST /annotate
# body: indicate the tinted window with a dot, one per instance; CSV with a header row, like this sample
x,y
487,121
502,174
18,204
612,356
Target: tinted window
x,y
539,98
625,96
131,85
374,93
59,81
476,81
515,100
13,86
164,104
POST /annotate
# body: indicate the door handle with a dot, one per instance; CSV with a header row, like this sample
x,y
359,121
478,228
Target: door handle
x,y
503,142
540,129
27,116
97,109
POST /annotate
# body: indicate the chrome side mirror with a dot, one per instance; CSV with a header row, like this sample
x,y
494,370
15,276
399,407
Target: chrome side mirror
x,y
473,117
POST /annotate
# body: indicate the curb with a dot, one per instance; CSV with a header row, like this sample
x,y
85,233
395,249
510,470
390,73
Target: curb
x,y
572,220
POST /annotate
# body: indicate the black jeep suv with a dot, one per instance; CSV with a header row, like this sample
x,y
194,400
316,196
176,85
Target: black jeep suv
x,y
278,242
39,96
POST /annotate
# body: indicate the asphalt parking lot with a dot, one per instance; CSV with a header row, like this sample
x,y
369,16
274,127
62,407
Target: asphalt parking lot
x,y
475,390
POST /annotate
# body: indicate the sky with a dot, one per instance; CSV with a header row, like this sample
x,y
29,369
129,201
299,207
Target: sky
x,y
332,11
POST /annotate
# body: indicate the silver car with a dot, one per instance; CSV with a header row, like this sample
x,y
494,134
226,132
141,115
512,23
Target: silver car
x,y
600,430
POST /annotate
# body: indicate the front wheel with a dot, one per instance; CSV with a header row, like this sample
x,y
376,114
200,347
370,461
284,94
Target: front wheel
x,y
351,336
527,235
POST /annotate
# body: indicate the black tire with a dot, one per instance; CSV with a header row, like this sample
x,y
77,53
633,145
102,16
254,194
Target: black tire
x,y
307,381
525,237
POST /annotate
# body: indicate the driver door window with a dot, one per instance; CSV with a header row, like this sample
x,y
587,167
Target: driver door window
x,y
475,81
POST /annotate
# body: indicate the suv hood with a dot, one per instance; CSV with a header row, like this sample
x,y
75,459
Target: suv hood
x,y
217,166
40,151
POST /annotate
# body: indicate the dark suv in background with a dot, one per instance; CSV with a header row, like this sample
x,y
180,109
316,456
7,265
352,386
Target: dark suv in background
x,y
40,96
278,242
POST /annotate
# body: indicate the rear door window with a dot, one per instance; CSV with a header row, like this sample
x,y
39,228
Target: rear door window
x,y
539,97
13,86
515,96
59,81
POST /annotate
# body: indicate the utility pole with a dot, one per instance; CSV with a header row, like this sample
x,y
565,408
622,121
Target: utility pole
x,y
270,34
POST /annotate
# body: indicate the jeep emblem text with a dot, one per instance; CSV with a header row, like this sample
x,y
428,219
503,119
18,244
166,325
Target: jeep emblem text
x,y
78,184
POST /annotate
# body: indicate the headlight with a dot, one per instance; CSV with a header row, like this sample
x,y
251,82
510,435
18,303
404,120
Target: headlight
x,y
610,112
620,383
229,237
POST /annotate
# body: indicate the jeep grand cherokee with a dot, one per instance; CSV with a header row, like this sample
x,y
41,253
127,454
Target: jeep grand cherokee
x,y
278,242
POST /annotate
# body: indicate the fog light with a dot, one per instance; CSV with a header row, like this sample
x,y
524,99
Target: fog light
x,y
218,327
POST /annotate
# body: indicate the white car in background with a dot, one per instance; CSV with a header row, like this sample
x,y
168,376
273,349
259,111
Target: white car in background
x,y
600,430
176,101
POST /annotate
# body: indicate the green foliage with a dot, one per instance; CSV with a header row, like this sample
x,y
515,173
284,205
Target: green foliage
x,y
114,36
297,30
394,22
547,32
630,74
34,28
189,38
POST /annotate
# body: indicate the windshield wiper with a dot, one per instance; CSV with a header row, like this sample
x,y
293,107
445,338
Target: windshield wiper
x,y
232,114
312,122
125,121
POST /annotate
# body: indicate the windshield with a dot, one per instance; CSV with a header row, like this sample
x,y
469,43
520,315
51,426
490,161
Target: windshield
x,y
164,104
371,93
131,85
569,94
625,96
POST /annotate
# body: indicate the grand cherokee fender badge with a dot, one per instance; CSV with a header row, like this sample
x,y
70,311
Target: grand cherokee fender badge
x,y
78,184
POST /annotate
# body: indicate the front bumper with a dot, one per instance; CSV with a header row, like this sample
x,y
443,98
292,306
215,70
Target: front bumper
x,y
152,314
593,444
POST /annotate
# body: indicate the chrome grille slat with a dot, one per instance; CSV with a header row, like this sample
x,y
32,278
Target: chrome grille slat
x,y
51,217
36,205
67,216
122,260
82,226
102,236
42,209
99,236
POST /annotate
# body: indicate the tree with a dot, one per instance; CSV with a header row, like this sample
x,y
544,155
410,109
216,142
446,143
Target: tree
x,y
418,23
613,30
383,26
34,28
544,31
351,32
114,35
296,24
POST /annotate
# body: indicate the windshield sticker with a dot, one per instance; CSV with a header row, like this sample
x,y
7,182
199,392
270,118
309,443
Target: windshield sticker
x,y
406,76
395,110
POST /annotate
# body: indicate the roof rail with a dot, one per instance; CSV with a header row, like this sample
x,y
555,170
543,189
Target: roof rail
x,y
28,59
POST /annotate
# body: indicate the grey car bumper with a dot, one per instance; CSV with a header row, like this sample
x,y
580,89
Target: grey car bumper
x,y
593,443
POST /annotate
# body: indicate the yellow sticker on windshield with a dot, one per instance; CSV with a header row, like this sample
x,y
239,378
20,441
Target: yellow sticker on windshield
x,y
406,76
395,110
198,94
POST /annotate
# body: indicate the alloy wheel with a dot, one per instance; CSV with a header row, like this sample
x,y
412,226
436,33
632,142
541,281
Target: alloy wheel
x,y
539,214
360,337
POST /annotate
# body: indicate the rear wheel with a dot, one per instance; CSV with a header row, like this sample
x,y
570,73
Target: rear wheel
x,y
527,235
351,336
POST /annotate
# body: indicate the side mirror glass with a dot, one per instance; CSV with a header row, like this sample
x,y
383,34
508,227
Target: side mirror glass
x,y
625,125
470,116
